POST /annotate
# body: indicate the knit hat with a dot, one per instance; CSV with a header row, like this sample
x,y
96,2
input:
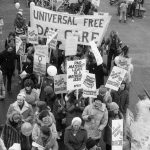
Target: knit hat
x,y
90,143
20,12
13,114
102,90
76,120
45,130
21,96
48,90
41,104
113,106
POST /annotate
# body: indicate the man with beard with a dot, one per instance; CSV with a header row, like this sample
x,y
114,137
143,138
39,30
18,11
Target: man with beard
x,y
45,140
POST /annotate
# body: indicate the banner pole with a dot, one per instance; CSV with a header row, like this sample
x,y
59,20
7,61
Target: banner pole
x,y
77,93
50,55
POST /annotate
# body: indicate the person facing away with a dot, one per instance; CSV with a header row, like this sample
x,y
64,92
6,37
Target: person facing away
x,y
123,11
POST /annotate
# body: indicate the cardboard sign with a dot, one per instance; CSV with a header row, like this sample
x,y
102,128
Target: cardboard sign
x,y
32,35
96,3
117,134
39,66
60,84
96,53
89,85
42,49
115,79
92,27
75,71
19,46
71,45
51,34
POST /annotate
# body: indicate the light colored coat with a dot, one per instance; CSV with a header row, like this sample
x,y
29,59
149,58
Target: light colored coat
x,y
98,122
26,111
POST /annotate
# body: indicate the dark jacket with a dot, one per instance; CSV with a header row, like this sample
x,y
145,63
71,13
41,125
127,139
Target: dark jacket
x,y
7,61
100,72
122,99
77,142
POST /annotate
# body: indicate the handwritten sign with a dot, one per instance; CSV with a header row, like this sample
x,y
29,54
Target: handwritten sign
x,y
19,46
117,134
89,85
51,34
115,79
71,45
60,84
75,71
96,53
32,35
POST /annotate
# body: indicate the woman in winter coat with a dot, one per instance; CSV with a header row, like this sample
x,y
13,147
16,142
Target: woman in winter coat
x,y
44,120
113,114
75,136
95,117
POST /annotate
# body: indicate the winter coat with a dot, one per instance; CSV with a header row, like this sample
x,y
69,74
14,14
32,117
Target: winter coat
x,y
122,99
108,128
7,61
76,142
36,131
98,122
26,111
31,98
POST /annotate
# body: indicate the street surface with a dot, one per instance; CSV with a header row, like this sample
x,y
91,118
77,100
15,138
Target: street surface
x,y
135,34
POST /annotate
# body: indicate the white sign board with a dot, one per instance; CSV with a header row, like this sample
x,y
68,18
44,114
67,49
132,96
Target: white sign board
x,y
115,78
50,36
71,45
42,49
91,27
18,42
75,71
60,84
117,134
96,53
39,66
89,85
96,3
32,35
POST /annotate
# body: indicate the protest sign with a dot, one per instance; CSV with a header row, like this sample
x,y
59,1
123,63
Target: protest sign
x,y
60,84
51,34
19,46
89,85
117,134
75,71
96,2
32,35
91,27
42,49
129,117
71,45
115,79
96,53
39,66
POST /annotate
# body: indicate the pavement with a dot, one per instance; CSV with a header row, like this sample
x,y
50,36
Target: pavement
x,y
135,34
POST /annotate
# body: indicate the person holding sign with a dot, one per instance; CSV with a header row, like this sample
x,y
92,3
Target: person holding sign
x,y
121,97
95,116
113,114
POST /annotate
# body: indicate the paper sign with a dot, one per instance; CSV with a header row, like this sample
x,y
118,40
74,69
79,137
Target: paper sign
x,y
96,53
50,35
19,46
32,35
1,22
71,45
96,2
129,117
39,66
115,79
117,134
42,49
75,71
60,84
38,146
89,85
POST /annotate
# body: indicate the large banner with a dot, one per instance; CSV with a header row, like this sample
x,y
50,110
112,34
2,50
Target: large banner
x,y
60,84
91,27
39,66
117,134
75,71
115,78
89,85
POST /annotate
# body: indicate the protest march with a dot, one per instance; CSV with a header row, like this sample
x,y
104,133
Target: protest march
x,y
74,79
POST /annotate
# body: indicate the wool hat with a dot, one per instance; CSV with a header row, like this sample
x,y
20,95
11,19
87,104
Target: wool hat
x,y
48,90
76,120
102,90
13,114
90,143
113,106
20,12
41,104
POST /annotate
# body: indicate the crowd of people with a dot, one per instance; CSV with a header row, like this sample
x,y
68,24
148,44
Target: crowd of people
x,y
52,119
